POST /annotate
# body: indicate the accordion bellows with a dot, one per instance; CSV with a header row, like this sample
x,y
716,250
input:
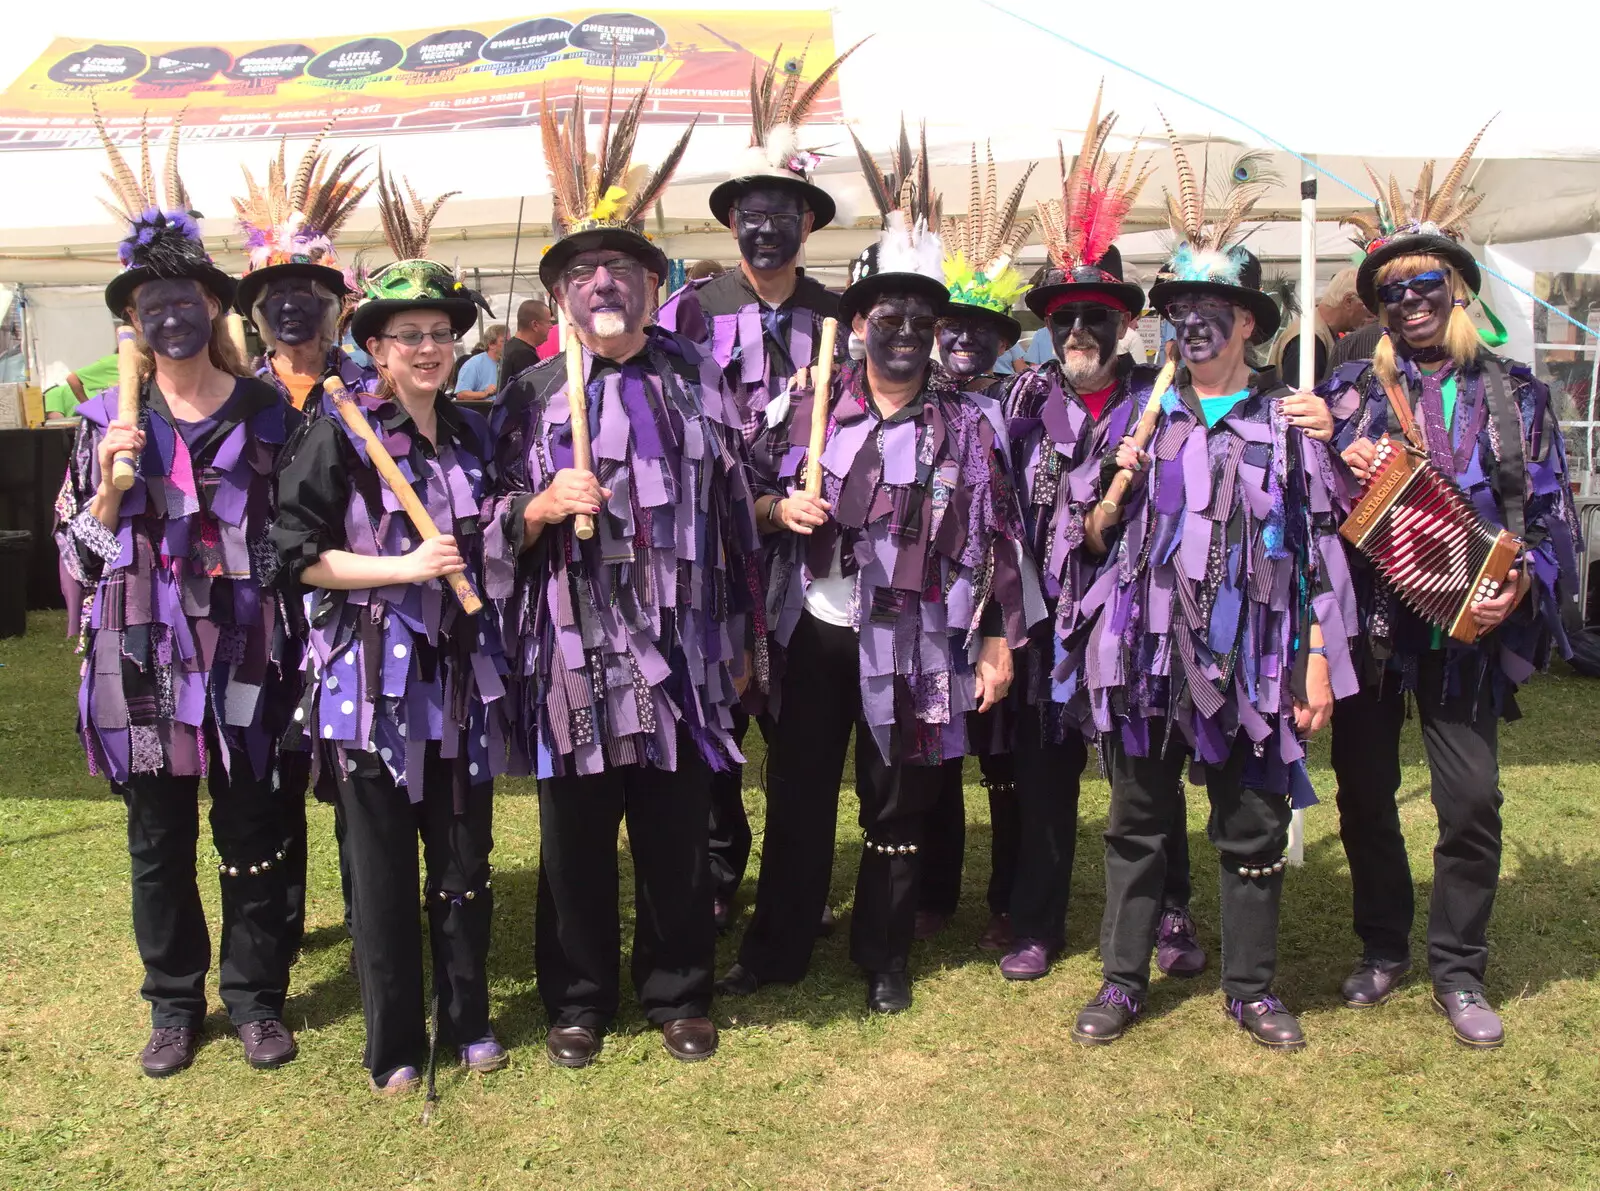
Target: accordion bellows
x,y
1424,536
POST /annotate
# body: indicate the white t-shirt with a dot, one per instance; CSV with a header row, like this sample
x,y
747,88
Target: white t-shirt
x,y
828,598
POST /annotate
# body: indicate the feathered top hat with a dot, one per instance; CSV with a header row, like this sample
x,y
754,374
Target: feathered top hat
x,y
1081,225
163,241
600,201
1433,223
411,282
979,250
775,157
908,256
289,225
1207,260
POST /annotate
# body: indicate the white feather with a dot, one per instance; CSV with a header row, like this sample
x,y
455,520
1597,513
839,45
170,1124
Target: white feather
x,y
919,251
782,144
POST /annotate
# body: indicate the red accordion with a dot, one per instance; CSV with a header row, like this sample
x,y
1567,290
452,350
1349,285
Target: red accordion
x,y
1424,536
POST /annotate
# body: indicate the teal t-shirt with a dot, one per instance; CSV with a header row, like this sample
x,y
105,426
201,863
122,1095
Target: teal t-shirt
x,y
1447,397
1214,409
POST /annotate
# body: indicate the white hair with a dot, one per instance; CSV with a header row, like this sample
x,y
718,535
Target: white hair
x,y
1340,286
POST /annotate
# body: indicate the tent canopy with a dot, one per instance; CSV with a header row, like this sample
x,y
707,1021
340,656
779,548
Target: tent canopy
x,y
971,72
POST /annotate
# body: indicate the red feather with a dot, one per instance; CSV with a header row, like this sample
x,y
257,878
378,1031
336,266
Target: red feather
x,y
1100,219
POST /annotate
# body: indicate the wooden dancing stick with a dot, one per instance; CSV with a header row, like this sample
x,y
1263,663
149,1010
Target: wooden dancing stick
x,y
821,400
578,403
1117,491
396,483
127,403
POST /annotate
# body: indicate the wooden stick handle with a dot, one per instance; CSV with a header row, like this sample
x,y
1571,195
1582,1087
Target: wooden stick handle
x,y
1117,490
127,403
396,483
578,403
821,401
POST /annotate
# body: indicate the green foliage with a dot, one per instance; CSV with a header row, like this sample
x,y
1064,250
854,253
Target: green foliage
x,y
978,1086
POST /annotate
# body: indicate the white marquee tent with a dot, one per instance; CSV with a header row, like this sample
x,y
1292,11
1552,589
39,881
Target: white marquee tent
x,y
972,71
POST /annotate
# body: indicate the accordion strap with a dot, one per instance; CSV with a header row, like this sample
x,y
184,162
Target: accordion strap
x,y
1400,404
1510,475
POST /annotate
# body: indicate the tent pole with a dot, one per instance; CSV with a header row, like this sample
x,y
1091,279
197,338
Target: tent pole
x,y
516,245
1306,381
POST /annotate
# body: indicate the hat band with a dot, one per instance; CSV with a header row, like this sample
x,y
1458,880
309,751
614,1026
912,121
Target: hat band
x,y
1103,299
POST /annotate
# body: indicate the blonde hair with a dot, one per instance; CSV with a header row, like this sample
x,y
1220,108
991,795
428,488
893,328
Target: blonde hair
x,y
333,315
1461,340
224,355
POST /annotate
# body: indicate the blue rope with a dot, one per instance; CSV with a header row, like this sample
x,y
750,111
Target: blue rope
x,y
1268,137
1210,107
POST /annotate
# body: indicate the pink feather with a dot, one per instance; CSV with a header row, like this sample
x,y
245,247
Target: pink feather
x,y
1099,219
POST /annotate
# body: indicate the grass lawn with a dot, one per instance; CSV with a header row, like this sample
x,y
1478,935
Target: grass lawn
x,y
979,1086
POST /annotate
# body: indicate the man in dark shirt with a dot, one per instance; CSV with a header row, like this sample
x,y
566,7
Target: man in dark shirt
x,y
521,351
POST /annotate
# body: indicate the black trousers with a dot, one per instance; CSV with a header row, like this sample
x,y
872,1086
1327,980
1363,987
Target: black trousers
x,y
730,826
381,830
169,923
805,764
1460,736
946,832
1033,809
298,852
578,935
1249,828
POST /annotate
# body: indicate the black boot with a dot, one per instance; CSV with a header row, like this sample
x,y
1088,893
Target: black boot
x,y
888,992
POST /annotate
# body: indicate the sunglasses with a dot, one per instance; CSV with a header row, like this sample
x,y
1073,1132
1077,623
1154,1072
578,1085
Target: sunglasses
x,y
1421,285
754,221
1089,316
891,324
624,268
411,338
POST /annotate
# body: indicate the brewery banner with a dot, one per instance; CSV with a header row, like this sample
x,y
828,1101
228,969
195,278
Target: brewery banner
x,y
424,80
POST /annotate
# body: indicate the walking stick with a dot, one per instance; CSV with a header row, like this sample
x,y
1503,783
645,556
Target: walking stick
x,y
821,392
127,403
578,403
396,483
1117,490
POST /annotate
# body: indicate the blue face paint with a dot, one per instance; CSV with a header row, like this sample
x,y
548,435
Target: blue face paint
x,y
614,299
293,309
968,346
769,224
1204,323
899,336
173,317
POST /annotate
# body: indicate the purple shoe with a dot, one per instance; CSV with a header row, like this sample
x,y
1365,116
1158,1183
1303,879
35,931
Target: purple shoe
x,y
1103,1020
1475,1023
1267,1022
1178,950
484,1055
401,1080
1028,959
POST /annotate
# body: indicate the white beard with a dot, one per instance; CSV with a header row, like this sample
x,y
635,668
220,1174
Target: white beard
x,y
608,324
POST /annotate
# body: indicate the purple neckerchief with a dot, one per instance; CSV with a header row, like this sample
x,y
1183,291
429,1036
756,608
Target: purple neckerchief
x,y
1451,457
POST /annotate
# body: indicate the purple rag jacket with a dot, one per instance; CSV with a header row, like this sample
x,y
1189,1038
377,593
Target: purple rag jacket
x,y
1058,448
179,623
1471,451
1225,558
926,520
725,317
616,642
391,669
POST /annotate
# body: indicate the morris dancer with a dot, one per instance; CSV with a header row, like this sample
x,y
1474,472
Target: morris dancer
x,y
184,674
1489,423
403,703
1218,625
976,329
625,587
294,291
762,323
914,500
